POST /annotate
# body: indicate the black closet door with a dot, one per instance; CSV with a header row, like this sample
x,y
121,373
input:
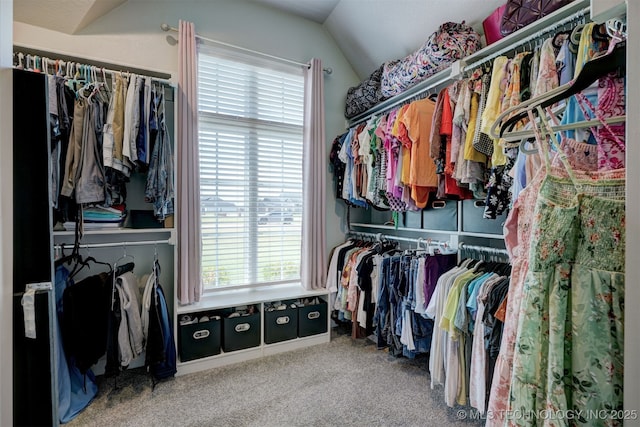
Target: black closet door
x,y
33,370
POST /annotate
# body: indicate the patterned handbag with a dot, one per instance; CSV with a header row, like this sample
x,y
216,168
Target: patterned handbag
x,y
520,13
364,96
451,42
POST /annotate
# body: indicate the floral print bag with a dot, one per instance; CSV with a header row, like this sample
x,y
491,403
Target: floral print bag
x,y
450,43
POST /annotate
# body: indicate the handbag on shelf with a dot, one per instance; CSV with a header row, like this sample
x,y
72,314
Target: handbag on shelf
x,y
491,25
520,13
364,96
451,42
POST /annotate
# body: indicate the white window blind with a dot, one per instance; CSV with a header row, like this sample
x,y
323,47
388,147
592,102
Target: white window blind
x,y
250,136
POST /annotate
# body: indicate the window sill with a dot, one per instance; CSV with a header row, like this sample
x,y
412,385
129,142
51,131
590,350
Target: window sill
x,y
236,297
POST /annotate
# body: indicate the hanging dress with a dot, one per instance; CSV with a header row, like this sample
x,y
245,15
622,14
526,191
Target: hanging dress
x,y
581,156
568,351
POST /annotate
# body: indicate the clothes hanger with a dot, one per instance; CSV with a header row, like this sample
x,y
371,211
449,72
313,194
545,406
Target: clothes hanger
x,y
117,272
90,258
65,259
592,70
124,256
560,37
84,262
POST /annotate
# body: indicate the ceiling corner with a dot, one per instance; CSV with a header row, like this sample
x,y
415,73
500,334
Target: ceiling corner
x,y
66,16
98,9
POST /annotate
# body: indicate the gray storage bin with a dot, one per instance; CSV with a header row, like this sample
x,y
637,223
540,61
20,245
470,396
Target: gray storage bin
x,y
441,215
381,217
412,219
473,221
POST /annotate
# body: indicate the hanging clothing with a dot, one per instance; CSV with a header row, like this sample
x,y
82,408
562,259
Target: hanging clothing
x,y
159,189
422,179
160,356
75,390
89,185
74,151
117,125
130,328
577,255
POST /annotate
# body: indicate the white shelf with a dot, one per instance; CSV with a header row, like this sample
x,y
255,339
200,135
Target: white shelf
x,y
535,29
115,231
441,77
428,231
504,45
233,298
483,235
391,227
238,356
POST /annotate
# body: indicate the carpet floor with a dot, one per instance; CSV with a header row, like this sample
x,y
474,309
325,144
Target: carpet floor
x,y
341,383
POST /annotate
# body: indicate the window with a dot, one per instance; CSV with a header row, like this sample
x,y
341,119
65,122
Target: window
x,y
250,144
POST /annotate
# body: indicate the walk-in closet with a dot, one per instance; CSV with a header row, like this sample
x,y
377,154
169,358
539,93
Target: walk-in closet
x,y
263,212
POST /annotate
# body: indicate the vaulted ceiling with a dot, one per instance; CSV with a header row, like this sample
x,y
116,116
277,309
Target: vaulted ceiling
x,y
66,16
369,32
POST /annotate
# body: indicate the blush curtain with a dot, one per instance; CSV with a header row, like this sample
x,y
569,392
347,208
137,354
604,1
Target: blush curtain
x,y
188,218
313,262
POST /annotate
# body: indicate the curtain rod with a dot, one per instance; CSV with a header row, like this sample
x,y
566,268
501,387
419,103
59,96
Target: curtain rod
x,y
166,27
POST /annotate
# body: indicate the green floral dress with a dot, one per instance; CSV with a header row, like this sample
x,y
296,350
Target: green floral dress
x,y
569,354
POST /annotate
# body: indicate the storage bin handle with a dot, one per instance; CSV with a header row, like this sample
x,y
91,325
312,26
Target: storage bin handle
x,y
479,203
242,327
283,320
198,335
438,204
313,315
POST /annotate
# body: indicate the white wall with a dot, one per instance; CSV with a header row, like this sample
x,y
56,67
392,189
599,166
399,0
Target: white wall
x,y
371,32
131,35
6,213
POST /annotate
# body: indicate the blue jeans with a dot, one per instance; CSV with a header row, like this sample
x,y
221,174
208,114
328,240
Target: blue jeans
x,y
381,318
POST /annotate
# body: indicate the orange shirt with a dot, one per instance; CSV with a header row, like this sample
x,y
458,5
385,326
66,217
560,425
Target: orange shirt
x,y
423,179
400,132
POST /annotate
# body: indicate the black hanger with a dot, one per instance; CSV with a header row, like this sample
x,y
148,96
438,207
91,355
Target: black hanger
x,y
592,71
84,262
95,261
560,37
599,33
64,259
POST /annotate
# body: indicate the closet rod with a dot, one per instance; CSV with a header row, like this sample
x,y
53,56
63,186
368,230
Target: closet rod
x,y
535,36
484,249
116,244
426,88
167,27
526,134
380,236
108,68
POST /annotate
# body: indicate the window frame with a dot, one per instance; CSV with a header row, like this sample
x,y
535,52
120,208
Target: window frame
x,y
253,125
